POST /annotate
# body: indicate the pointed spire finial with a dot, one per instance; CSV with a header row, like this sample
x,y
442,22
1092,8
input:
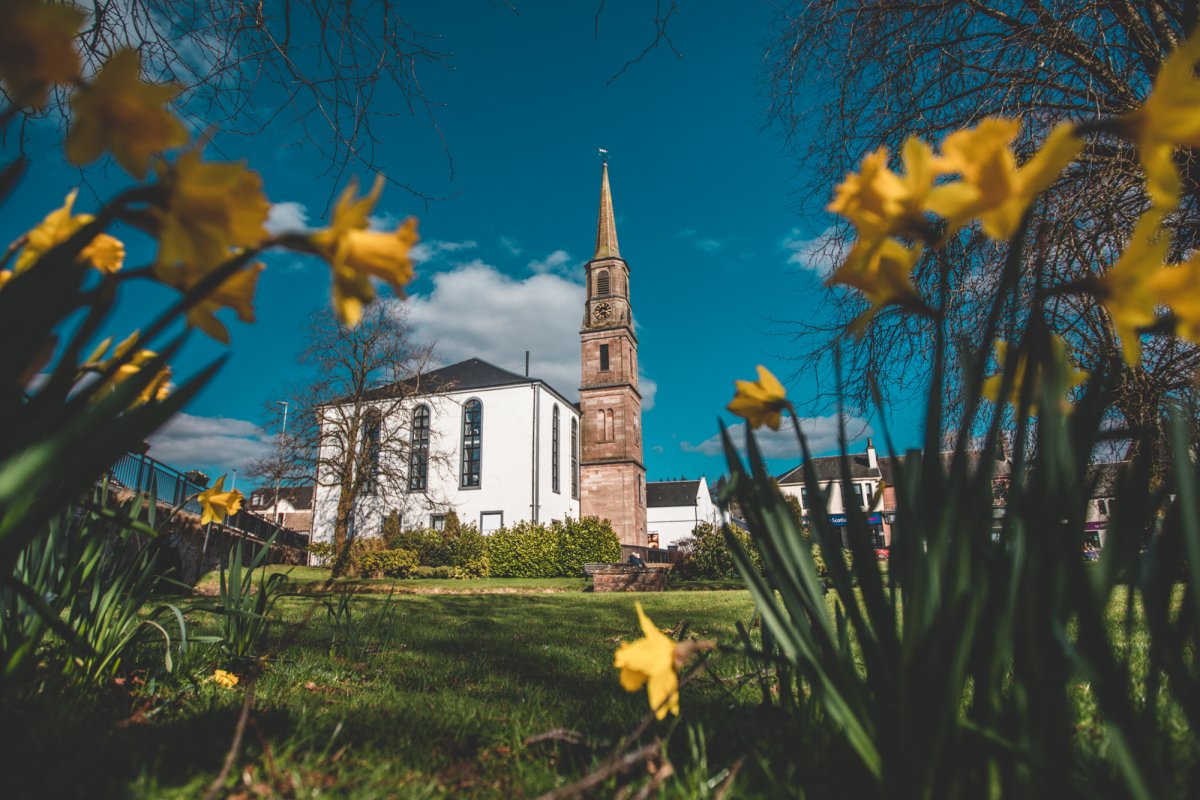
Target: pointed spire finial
x,y
606,228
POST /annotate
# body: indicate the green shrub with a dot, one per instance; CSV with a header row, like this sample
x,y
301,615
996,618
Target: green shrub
x,y
585,541
533,550
706,553
526,550
461,546
437,572
396,563
427,544
321,551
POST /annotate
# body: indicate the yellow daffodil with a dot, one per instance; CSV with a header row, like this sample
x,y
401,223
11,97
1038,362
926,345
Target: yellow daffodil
x,y
881,203
37,48
158,388
224,679
992,384
357,254
1169,118
654,661
237,292
216,504
881,271
211,208
1128,289
104,252
760,402
993,188
119,112
1179,288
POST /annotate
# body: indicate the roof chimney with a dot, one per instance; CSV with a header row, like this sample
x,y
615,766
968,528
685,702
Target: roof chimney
x,y
872,456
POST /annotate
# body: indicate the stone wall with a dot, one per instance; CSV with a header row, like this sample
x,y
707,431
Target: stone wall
x,y
628,578
189,552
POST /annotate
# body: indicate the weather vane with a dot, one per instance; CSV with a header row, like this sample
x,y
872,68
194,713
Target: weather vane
x,y
603,154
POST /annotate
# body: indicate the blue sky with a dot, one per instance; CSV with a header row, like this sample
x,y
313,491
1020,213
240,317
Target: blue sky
x,y
705,196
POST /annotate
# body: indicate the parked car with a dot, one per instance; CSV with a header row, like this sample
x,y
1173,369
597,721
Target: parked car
x,y
883,553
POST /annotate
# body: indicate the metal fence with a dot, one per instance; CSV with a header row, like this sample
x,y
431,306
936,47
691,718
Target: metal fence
x,y
140,473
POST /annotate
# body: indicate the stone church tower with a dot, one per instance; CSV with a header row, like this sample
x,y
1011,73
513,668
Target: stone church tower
x,y
612,474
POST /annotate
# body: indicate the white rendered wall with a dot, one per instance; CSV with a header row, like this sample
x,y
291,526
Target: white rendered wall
x,y
508,482
837,503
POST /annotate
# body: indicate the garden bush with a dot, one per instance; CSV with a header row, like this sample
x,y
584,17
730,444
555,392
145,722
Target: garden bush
x,y
525,550
533,550
706,554
397,563
585,541
437,572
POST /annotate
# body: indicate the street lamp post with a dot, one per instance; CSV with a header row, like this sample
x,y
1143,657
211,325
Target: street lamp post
x,y
279,467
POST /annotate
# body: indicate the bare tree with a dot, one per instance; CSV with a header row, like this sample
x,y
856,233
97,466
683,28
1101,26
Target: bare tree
x,y
309,67
849,75
352,431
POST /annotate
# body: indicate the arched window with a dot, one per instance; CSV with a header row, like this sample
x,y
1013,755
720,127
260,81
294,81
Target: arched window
x,y
574,458
602,285
610,430
472,444
554,436
418,454
372,433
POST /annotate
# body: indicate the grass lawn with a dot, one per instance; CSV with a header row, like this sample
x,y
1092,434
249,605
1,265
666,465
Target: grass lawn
x,y
425,695
445,689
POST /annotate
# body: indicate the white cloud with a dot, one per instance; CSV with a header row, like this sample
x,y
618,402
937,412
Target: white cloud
x,y
475,311
649,390
383,221
511,245
188,441
705,244
427,251
822,433
558,262
821,254
287,217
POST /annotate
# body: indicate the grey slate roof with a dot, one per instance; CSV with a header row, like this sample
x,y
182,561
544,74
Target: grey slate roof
x,y
671,493
474,373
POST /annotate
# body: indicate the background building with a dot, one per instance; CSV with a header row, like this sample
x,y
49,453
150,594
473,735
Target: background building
x,y
675,508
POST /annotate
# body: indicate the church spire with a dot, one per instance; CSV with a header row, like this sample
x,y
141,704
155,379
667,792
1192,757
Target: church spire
x,y
606,229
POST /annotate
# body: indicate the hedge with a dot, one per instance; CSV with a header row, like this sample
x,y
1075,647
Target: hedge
x,y
532,550
525,550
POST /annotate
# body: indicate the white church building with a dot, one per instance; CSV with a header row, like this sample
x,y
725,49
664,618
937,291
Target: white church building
x,y
493,446
498,448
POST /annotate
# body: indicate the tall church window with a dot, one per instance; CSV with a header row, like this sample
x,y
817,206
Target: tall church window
x,y
554,451
472,444
602,284
574,458
418,455
604,358
372,431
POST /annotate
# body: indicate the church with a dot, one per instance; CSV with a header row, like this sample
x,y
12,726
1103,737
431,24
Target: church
x,y
512,448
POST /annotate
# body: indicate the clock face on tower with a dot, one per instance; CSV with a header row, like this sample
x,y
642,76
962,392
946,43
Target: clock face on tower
x,y
602,311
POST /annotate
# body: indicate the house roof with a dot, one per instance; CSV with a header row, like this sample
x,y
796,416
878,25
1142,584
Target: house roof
x,y
474,373
829,468
301,497
671,493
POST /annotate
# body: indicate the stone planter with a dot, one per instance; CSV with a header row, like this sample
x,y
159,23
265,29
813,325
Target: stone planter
x,y
627,578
